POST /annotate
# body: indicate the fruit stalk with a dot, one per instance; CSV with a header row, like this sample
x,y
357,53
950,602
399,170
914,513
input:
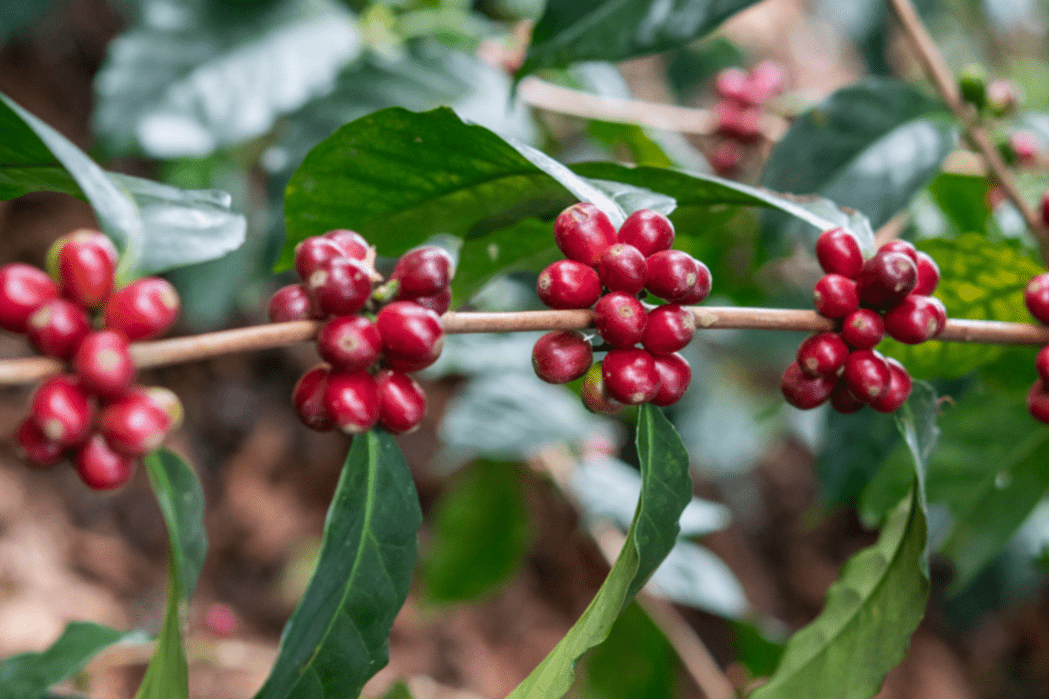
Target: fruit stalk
x,y
259,337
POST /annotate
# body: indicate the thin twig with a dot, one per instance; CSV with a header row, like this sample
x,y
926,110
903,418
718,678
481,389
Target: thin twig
x,y
564,100
939,73
192,348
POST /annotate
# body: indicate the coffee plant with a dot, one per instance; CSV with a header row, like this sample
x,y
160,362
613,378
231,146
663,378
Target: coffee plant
x,y
408,242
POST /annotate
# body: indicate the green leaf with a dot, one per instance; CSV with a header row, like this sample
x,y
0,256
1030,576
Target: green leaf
x,y
963,199
665,490
981,280
400,177
870,146
195,83
868,617
159,227
338,636
635,661
711,193
181,501
480,533
612,30
18,15
28,675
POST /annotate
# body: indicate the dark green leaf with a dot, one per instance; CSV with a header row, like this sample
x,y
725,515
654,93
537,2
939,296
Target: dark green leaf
x,y
712,194
868,617
399,177
527,246
963,199
754,650
917,422
480,534
189,86
636,661
18,15
870,146
181,501
857,445
338,636
665,490
980,279
158,226
28,675
399,690
611,30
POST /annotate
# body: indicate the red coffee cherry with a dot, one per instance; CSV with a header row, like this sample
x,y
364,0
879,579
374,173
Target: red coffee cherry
x,y
422,272
143,309
863,329
61,410
941,312
1041,363
805,392
1025,147
84,263
308,397
568,284
701,289
766,81
349,343
838,252
737,121
134,425
36,448
593,393
670,328
630,376
410,332
886,279
352,401
620,319
100,467
583,232
725,158
1038,401
1045,208
913,321
57,328
928,275
168,402
673,274
439,303
311,253
822,354
340,286
866,375
23,289
1036,296
648,231
903,246
402,402
733,83
842,400
352,243
674,378
561,356
898,392
835,296
291,302
104,365
623,268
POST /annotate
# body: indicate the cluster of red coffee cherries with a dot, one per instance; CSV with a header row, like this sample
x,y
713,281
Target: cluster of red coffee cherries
x,y
738,111
607,270
1036,296
95,415
886,294
368,350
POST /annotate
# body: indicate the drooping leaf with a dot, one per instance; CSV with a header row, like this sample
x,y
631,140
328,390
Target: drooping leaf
x,y
480,533
181,499
338,636
159,227
635,661
612,30
868,617
980,279
29,675
870,146
666,489
709,192
192,83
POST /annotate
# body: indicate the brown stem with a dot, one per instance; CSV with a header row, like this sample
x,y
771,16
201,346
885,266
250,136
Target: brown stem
x,y
939,73
259,337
